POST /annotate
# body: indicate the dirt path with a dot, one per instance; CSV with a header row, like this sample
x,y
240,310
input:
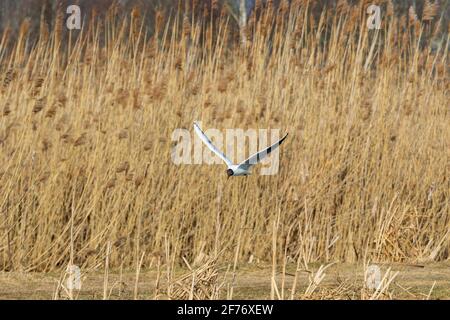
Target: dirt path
x,y
341,281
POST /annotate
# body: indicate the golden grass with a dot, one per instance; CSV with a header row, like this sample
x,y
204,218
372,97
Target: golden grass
x,y
85,137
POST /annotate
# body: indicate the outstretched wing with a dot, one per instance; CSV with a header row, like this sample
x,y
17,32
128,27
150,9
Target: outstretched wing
x,y
257,157
209,144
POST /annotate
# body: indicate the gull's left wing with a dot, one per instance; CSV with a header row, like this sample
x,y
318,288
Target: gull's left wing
x,y
257,157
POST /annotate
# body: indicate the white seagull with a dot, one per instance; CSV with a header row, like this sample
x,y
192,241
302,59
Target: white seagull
x,y
243,168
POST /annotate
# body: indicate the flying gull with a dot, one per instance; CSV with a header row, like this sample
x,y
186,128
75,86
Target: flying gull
x,y
243,168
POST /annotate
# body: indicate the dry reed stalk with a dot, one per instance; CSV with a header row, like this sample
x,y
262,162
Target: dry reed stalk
x,y
138,270
106,274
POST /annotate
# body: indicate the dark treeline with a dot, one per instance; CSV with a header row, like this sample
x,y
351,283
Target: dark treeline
x,y
14,12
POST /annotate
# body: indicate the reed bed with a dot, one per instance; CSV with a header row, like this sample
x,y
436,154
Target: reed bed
x,y
86,122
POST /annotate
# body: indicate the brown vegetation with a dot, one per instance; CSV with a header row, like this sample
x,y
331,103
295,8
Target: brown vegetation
x,y
86,123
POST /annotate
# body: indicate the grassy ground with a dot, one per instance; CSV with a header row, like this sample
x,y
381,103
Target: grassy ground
x,y
91,171
251,282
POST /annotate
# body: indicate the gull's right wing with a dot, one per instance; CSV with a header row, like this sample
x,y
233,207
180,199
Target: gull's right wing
x,y
209,144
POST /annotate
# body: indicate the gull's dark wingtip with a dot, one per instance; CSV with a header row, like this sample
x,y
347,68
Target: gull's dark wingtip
x,y
282,139
196,126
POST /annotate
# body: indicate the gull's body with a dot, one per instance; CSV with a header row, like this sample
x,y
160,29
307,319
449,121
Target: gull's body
x,y
243,168
238,171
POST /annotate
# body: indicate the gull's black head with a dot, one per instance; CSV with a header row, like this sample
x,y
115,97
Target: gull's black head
x,y
230,172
